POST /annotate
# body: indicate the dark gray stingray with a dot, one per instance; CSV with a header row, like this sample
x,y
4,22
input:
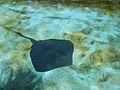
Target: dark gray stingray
x,y
49,54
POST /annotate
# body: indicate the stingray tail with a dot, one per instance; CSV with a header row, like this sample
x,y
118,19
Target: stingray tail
x,y
20,34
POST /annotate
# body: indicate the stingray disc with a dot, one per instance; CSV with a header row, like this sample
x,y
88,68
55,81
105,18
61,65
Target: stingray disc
x,y
51,54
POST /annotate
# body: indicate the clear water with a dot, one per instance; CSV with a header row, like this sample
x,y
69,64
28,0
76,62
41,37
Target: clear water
x,y
94,32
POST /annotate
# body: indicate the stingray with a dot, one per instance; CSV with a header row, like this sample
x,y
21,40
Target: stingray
x,y
49,54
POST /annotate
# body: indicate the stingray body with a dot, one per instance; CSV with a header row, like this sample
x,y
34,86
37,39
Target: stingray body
x,y
49,54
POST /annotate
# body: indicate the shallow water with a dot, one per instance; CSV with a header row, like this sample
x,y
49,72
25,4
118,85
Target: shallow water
x,y
94,32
